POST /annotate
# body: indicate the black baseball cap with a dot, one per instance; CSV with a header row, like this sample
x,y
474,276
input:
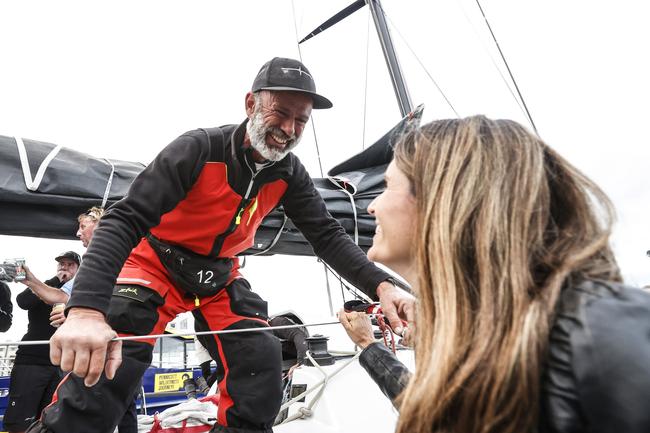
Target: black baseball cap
x,y
281,73
70,255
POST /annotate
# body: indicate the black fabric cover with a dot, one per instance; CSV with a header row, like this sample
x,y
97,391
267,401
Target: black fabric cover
x,y
75,181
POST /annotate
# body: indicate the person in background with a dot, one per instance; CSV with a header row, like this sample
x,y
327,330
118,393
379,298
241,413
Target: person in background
x,y
34,377
88,223
67,266
6,307
203,358
522,322
294,340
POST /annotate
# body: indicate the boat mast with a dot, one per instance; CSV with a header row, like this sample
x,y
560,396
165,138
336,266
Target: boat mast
x,y
394,69
390,55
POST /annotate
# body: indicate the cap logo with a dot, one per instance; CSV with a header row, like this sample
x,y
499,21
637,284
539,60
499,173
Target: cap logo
x,y
300,71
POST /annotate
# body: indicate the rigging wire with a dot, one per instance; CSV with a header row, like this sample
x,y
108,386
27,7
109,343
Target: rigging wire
x,y
353,291
489,54
329,292
320,163
313,122
530,118
365,90
426,71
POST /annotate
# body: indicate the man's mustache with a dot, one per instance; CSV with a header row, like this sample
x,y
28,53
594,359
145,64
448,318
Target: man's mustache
x,y
280,133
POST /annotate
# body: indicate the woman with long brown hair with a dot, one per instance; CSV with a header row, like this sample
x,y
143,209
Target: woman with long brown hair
x,y
522,324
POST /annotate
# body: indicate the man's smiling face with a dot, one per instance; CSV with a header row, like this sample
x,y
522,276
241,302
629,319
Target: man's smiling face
x,y
277,120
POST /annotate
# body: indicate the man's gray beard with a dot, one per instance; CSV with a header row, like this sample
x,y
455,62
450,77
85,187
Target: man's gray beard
x,y
257,134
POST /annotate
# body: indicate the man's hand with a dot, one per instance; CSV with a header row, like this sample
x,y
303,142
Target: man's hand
x,y
11,271
64,276
29,277
396,304
83,345
57,318
358,327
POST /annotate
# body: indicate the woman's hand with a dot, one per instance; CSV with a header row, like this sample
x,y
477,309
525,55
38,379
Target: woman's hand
x,y
358,328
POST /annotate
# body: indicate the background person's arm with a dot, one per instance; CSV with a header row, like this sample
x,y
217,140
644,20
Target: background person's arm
x,y
49,295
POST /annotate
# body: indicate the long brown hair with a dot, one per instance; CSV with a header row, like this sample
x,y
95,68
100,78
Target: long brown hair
x,y
504,224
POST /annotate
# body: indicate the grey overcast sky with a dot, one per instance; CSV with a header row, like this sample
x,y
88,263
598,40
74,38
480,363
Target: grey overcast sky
x,y
121,79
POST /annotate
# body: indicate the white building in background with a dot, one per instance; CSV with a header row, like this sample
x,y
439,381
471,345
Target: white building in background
x,y
176,352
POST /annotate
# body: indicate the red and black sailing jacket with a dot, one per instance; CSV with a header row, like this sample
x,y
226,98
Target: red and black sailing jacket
x,y
207,196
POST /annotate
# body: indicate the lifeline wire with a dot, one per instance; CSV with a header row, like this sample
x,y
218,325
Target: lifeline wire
x,y
185,334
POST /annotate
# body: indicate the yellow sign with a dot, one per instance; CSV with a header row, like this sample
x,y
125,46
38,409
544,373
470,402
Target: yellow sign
x,y
168,382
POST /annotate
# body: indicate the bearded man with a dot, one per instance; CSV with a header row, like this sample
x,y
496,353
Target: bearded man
x,y
171,246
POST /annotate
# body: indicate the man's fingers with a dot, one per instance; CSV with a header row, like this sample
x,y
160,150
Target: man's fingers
x,y
410,313
80,345
408,310
390,312
114,358
55,352
344,319
67,359
81,360
96,366
56,319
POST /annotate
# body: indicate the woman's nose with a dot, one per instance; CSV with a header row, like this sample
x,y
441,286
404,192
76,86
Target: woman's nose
x,y
371,206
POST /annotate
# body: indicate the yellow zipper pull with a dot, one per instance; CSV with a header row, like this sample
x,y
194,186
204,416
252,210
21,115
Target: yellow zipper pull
x,y
196,301
238,219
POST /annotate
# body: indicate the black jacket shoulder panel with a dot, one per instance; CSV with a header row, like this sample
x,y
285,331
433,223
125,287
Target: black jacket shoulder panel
x,y
597,376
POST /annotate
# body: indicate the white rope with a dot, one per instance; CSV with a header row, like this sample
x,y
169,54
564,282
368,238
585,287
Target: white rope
x,y
109,183
305,412
33,184
341,183
275,238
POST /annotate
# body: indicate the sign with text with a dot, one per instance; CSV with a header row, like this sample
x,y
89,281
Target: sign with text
x,y
167,382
